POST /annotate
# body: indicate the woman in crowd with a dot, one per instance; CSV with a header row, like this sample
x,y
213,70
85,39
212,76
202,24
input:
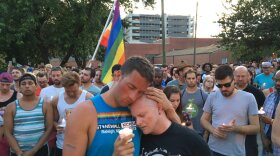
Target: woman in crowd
x,y
208,85
174,73
173,94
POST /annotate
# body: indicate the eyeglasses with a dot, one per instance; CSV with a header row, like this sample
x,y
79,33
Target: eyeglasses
x,y
225,85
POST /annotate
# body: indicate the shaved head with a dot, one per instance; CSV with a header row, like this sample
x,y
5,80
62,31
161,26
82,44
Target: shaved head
x,y
241,77
240,69
277,74
145,102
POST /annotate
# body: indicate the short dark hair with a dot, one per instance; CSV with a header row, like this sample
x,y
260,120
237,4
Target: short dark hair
x,y
190,72
92,72
19,69
157,70
27,76
116,67
141,65
203,66
42,74
223,71
57,68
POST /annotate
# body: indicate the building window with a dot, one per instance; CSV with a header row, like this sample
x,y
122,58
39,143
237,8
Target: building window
x,y
224,60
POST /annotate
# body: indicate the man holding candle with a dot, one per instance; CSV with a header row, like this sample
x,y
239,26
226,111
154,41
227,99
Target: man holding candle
x,y
193,99
276,128
109,113
64,103
51,91
269,107
264,80
229,115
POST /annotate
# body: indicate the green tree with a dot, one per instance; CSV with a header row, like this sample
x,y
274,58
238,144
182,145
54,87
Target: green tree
x,y
35,31
251,31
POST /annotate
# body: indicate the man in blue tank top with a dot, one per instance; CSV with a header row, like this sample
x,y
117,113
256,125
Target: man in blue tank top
x,y
28,121
94,125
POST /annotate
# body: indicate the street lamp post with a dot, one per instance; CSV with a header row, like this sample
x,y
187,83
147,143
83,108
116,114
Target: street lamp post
x,y
194,42
163,33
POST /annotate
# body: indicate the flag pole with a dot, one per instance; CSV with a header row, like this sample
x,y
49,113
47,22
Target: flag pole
x,y
104,29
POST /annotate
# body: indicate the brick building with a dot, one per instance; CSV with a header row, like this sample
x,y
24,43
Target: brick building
x,y
178,49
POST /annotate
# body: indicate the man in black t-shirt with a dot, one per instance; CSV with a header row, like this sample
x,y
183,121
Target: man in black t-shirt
x,y
163,137
241,78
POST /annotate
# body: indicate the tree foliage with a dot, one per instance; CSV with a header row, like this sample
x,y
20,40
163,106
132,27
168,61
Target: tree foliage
x,y
251,29
36,31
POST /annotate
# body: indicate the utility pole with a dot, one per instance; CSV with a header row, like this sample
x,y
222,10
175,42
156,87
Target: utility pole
x,y
195,29
163,33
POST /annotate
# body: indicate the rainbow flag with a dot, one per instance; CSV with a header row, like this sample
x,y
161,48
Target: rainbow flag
x,y
106,35
115,48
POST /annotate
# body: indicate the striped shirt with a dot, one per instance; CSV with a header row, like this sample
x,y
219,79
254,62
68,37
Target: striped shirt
x,y
29,125
268,107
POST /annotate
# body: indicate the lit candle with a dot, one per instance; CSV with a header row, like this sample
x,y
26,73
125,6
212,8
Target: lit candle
x,y
261,111
125,132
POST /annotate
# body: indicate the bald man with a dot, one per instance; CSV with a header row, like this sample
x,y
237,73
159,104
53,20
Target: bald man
x,y
160,134
241,79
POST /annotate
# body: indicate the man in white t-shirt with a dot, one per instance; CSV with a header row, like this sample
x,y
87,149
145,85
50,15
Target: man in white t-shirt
x,y
51,91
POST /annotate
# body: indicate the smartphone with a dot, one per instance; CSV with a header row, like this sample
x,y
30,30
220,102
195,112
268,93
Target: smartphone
x,y
10,63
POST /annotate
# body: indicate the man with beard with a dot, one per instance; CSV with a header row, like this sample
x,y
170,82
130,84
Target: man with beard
x,y
87,76
16,73
97,80
64,103
193,99
275,136
53,90
7,95
229,115
42,79
269,107
50,92
28,121
241,78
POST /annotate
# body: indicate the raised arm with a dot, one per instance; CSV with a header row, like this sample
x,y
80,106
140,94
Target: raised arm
x,y
158,96
80,129
8,128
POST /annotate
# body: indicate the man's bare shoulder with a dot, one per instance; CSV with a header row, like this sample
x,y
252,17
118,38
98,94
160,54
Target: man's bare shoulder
x,y
85,107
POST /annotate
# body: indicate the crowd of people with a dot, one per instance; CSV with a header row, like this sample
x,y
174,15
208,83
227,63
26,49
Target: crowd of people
x,y
219,110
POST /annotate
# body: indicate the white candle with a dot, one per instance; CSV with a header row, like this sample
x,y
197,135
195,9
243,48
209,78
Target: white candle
x,y
125,132
63,123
